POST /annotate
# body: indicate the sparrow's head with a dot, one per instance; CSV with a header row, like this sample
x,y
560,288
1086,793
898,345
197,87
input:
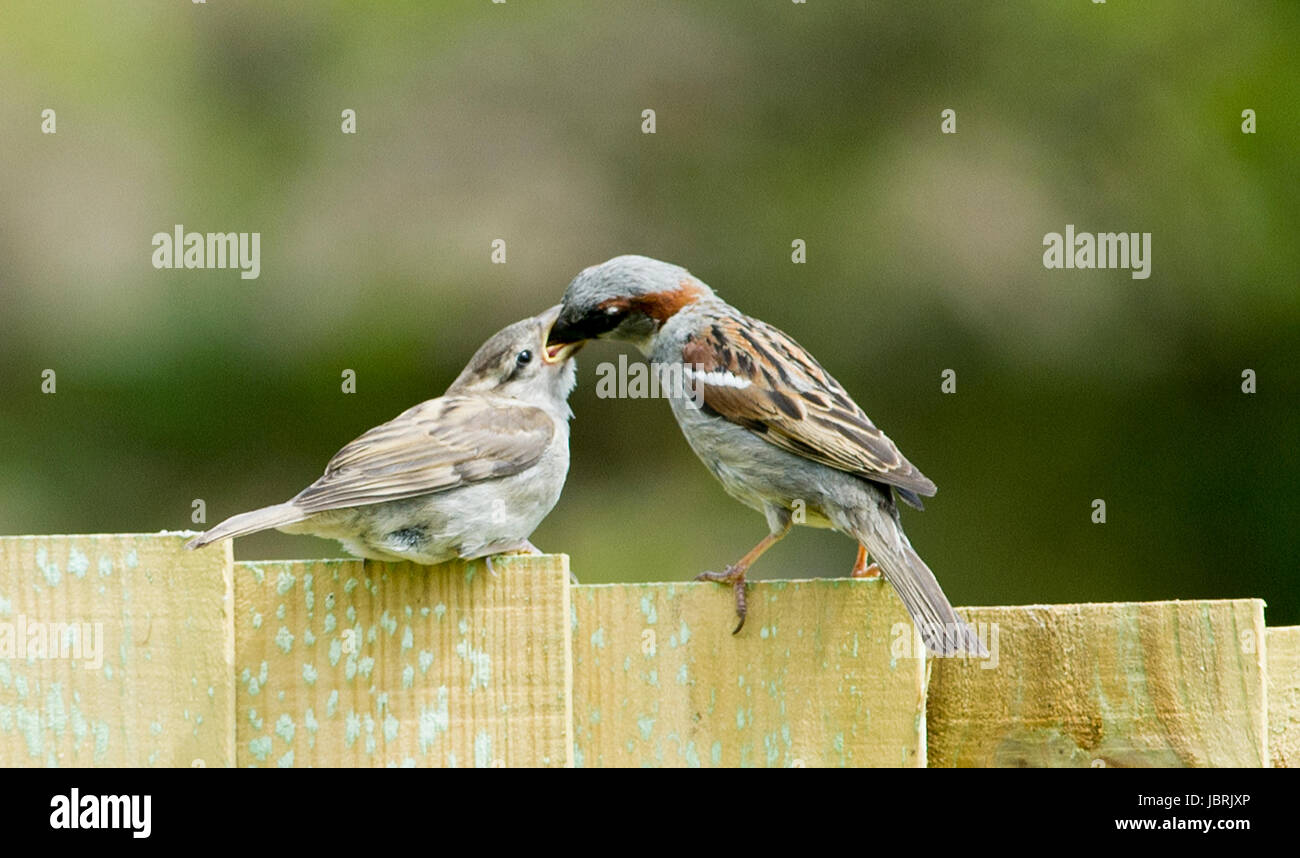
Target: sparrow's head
x,y
513,364
627,298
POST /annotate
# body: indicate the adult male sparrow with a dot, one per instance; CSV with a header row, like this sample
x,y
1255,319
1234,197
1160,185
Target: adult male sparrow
x,y
773,426
469,474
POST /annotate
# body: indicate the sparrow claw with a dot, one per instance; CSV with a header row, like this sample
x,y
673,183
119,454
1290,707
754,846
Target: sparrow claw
x,y
736,578
741,607
871,571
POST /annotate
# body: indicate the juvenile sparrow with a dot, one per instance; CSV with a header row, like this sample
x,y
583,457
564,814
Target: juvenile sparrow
x,y
773,426
469,474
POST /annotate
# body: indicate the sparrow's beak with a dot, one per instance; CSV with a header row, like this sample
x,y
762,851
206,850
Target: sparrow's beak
x,y
554,349
561,352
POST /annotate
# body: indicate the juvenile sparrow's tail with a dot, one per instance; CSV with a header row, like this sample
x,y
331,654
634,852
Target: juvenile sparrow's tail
x,y
943,631
249,522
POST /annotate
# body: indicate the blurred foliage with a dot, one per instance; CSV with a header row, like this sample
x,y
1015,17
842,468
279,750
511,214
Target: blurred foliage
x,y
775,121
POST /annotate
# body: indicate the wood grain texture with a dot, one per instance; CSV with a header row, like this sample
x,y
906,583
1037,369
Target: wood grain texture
x,y
1283,650
184,658
345,663
1146,684
822,675
146,678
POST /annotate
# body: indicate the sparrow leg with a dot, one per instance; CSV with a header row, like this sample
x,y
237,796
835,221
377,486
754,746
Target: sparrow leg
x,y
486,552
529,548
525,547
861,569
735,573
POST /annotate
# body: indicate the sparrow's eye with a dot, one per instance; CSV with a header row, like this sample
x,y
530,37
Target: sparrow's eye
x,y
613,310
523,357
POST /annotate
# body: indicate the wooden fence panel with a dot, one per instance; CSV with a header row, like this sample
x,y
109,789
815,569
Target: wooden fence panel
x,y
345,663
1145,684
144,673
1283,646
822,675
173,658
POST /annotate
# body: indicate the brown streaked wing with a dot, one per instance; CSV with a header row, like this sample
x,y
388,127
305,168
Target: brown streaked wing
x,y
437,445
793,403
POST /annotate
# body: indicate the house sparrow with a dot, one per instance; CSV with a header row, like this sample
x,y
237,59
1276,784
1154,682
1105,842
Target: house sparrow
x,y
469,474
773,426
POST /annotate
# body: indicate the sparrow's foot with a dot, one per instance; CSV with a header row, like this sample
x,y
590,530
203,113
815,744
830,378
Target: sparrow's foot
x,y
735,576
871,571
861,568
521,547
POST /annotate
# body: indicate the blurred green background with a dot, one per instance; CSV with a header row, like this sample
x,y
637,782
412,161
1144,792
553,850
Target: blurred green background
x,y
775,121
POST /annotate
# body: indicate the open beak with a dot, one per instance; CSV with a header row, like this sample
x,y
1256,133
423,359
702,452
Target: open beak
x,y
554,352
560,352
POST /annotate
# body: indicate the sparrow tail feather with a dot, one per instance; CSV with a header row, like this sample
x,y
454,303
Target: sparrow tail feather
x,y
249,522
943,631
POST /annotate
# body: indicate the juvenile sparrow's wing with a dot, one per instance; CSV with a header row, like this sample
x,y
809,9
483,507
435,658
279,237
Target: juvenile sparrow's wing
x,y
758,377
437,445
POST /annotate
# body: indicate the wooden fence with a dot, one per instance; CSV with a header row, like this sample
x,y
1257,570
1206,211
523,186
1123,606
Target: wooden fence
x,y
125,650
